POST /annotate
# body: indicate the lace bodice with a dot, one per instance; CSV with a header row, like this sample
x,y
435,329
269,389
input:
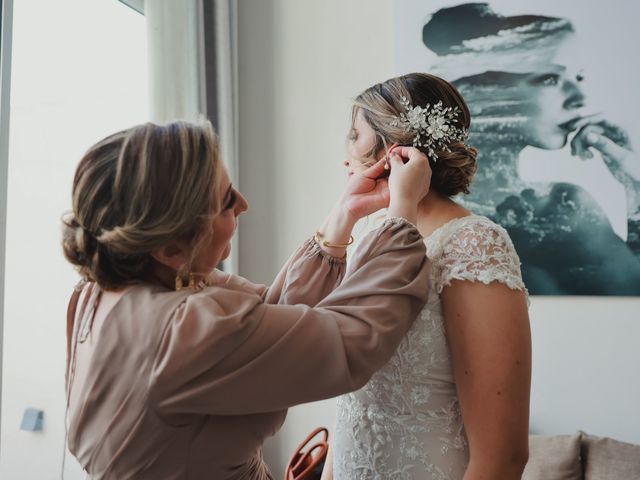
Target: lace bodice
x,y
405,424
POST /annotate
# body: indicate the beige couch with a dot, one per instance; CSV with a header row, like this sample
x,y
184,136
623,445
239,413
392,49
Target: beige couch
x,y
581,457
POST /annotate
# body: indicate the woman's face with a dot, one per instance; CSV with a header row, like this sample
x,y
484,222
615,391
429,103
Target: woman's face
x,y
224,225
362,139
552,102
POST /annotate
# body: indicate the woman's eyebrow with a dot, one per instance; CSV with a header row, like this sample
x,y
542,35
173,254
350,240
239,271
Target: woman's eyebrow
x,y
558,68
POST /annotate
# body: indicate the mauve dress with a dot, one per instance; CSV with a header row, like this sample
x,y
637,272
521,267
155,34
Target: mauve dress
x,y
189,384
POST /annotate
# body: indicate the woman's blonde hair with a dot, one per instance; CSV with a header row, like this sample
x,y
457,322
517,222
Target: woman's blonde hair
x,y
454,170
137,190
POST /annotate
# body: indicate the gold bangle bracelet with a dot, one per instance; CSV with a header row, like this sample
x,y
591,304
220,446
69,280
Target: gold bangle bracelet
x,y
326,243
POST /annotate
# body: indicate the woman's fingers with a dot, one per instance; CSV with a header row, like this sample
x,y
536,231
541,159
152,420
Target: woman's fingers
x,y
602,128
410,173
404,152
395,160
584,121
387,155
614,154
579,146
606,146
366,203
375,170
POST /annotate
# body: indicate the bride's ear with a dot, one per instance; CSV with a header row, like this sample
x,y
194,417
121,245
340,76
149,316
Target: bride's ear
x,y
385,150
172,255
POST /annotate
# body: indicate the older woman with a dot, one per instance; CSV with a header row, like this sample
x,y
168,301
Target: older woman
x,y
177,370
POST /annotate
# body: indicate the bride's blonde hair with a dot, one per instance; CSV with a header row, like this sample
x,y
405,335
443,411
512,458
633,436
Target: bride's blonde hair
x,y
380,104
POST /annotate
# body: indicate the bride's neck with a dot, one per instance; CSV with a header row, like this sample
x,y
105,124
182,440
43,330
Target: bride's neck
x,y
435,210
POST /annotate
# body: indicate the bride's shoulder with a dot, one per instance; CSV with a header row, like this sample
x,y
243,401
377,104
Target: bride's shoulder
x,y
466,234
476,249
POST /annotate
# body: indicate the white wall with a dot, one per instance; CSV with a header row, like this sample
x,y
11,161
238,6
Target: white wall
x,y
300,64
79,73
586,362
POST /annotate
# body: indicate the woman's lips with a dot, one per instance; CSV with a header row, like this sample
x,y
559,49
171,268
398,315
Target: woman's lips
x,y
570,125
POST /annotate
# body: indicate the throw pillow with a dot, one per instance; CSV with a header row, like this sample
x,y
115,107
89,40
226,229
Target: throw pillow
x,y
609,459
554,457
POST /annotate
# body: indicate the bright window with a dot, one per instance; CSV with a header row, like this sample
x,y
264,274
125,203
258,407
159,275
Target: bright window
x,y
79,73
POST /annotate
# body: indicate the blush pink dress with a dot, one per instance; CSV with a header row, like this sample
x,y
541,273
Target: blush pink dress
x,y
188,384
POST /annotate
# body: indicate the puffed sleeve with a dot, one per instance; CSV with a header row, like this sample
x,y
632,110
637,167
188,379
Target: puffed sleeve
x,y
479,251
226,351
308,276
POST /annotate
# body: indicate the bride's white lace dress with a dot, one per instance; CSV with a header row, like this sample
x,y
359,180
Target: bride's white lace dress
x,y
405,424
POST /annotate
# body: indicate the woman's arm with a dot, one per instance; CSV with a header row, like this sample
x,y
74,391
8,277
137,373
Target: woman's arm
x,y
226,352
312,273
489,338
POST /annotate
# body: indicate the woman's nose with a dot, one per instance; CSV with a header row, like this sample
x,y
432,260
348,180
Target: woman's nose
x,y
242,205
574,95
345,162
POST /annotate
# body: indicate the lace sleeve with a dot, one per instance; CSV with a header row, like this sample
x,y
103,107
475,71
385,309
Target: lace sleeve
x,y
478,251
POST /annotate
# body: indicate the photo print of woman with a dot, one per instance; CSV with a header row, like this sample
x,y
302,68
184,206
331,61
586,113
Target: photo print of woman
x,y
551,119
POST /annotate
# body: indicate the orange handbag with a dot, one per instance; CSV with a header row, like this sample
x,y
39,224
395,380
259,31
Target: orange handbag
x,y
308,460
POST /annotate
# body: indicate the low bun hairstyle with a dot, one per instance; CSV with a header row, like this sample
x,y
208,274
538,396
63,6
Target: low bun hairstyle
x,y
454,170
136,191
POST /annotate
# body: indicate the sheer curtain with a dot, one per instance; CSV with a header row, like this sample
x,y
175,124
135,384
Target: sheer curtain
x,y
193,65
221,78
6,19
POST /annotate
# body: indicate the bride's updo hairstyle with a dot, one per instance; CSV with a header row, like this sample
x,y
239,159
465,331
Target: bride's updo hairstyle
x,y
453,169
138,190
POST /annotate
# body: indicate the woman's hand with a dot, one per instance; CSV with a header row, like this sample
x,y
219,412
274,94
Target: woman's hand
x,y
611,142
369,191
366,192
409,181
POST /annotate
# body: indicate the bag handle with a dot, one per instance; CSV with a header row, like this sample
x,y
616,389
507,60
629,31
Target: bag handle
x,y
72,310
303,463
71,316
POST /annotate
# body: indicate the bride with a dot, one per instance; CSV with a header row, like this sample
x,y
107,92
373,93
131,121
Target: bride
x,y
453,402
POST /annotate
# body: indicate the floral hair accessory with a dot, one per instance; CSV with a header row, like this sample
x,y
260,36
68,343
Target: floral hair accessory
x,y
433,126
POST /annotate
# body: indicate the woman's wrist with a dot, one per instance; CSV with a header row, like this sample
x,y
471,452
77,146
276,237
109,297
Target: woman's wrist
x,y
405,209
335,232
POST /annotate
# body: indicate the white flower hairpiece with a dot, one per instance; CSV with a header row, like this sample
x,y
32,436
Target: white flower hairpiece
x,y
433,126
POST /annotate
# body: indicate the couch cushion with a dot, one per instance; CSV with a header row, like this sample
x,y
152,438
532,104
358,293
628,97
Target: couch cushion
x,y
554,457
609,459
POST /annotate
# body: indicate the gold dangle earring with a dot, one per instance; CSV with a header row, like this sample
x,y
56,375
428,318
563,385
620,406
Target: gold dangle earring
x,y
180,281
